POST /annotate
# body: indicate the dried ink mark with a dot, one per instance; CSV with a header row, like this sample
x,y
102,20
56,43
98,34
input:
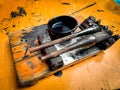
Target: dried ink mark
x,y
5,19
39,20
90,5
65,3
20,12
13,26
112,26
13,14
6,28
98,10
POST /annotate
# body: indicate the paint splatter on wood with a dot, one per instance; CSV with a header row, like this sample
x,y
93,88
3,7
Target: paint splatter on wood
x,y
20,12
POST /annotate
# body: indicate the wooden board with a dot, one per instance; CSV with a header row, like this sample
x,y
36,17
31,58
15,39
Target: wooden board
x,y
28,65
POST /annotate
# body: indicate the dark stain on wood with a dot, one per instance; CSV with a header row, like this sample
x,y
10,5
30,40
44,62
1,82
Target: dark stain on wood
x,y
7,33
81,9
20,12
65,3
13,14
13,26
39,20
4,20
6,28
32,13
112,26
99,10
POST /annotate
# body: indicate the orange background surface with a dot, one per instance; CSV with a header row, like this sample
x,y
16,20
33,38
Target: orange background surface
x,y
101,72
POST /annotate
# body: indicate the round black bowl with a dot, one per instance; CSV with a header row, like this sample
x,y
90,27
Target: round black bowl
x,y
61,26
